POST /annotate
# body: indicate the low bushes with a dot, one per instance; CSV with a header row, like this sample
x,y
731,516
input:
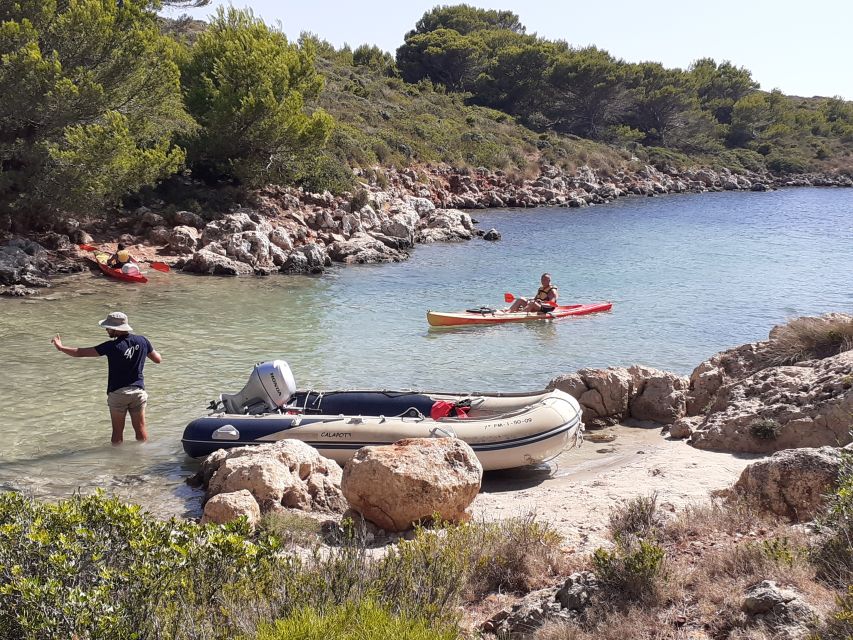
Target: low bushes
x,y
516,555
636,568
363,621
92,567
833,554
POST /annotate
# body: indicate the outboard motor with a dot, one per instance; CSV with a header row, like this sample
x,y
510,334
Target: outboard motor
x,y
269,388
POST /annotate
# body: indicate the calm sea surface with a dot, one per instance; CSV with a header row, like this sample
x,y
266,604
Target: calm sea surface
x,y
689,275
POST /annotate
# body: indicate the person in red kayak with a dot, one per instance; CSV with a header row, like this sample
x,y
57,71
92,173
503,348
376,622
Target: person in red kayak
x,y
122,259
545,299
126,355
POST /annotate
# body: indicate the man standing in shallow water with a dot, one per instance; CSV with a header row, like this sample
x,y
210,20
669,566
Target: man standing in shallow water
x,y
126,356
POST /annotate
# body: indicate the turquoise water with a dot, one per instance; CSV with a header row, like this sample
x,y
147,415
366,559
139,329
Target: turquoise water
x,y
689,275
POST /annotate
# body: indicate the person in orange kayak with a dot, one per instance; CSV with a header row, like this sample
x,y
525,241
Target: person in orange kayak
x,y
545,299
122,259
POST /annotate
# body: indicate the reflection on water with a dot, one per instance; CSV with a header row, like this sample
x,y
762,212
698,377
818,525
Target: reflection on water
x,y
688,275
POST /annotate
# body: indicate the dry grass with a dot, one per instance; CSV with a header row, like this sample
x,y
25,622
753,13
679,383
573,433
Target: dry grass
x,y
638,518
810,338
517,555
715,552
714,517
292,528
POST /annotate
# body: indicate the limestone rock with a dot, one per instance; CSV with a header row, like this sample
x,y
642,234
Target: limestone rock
x,y
309,258
724,368
443,225
809,405
22,262
226,226
660,396
226,507
613,394
206,261
280,238
398,485
565,602
251,247
492,235
159,235
148,219
781,611
792,483
18,291
183,240
189,219
362,248
684,427
287,473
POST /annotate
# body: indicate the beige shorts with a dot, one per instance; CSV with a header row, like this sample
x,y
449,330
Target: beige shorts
x,y
127,399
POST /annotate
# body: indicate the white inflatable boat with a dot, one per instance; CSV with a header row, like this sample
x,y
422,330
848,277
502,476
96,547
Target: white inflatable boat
x,y
505,430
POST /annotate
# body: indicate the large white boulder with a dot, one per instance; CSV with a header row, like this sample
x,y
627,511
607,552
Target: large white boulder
x,y
415,479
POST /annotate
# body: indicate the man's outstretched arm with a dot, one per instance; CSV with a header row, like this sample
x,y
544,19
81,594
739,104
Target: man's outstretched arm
x,y
74,352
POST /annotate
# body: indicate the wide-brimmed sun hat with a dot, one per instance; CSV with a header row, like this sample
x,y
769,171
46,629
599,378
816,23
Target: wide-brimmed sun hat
x,y
117,321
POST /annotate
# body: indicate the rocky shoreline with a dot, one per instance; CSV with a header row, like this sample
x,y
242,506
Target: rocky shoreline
x,y
743,400
289,230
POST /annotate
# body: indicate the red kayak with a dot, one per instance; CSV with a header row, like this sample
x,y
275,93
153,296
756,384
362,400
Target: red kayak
x,y
497,316
118,274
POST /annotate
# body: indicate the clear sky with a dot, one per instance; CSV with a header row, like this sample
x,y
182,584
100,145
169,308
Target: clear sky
x,y
803,47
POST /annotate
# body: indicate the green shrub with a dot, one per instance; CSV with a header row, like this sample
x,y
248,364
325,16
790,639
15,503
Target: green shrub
x,y
325,173
839,624
765,429
365,620
662,158
637,571
750,159
246,85
359,200
93,567
781,552
91,103
833,554
781,162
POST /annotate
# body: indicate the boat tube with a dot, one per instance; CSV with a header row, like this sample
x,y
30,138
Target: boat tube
x,y
505,430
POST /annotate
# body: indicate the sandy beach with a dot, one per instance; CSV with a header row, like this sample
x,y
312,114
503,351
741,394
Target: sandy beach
x,y
575,492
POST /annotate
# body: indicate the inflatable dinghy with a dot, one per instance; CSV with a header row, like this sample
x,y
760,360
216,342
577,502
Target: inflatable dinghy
x,y
505,430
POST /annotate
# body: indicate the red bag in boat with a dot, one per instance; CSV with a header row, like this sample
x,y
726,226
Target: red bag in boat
x,y
443,408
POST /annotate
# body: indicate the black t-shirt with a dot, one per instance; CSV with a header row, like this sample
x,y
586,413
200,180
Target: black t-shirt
x,y
126,357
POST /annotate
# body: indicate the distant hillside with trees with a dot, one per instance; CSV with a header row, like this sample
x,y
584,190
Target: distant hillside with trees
x,y
104,101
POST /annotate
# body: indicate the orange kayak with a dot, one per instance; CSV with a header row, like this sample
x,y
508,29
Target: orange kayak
x,y
497,316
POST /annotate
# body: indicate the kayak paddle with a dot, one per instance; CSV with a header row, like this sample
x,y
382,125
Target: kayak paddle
x,y
87,247
159,266
508,297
